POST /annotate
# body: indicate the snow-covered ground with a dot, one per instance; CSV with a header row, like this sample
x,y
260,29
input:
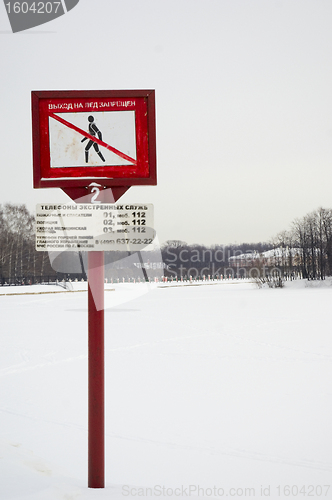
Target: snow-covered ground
x,y
223,387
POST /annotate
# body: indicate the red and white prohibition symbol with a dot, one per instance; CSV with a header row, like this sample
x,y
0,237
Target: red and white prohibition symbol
x,y
92,139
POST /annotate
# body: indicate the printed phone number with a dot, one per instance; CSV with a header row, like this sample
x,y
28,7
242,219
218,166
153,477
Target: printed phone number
x,y
34,8
126,241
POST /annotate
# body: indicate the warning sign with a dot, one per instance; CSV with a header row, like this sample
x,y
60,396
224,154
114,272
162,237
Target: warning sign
x,y
81,137
94,227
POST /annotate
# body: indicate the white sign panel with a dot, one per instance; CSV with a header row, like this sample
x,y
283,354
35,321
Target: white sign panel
x,y
69,147
94,227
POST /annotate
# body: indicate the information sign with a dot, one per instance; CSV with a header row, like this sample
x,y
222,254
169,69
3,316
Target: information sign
x,y
94,227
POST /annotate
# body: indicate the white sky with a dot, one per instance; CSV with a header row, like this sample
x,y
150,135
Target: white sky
x,y
243,101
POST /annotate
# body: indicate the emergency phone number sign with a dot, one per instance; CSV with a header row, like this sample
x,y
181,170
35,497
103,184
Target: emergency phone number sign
x,y
93,227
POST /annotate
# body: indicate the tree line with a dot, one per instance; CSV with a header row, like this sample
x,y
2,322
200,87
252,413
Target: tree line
x,y
184,261
310,237
19,261
304,249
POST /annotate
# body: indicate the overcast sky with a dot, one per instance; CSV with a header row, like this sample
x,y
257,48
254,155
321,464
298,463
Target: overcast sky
x,y
243,102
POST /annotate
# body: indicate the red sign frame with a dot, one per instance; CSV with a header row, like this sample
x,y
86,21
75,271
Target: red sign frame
x,y
52,104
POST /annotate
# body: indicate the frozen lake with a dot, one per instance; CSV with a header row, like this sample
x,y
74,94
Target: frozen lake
x,y
223,387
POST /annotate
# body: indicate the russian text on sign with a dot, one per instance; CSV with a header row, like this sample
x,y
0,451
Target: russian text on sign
x,y
106,227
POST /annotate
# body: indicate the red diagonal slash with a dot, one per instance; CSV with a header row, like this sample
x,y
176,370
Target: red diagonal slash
x,y
94,139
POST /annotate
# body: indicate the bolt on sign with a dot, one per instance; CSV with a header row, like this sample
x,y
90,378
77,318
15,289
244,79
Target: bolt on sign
x,y
83,137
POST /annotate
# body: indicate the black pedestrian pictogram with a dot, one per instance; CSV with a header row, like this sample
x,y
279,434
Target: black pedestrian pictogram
x,y
93,130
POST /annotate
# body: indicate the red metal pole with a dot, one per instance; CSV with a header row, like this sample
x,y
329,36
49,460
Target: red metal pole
x,y
96,437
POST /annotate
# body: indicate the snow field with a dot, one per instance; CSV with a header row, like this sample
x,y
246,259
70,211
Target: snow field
x,y
217,385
